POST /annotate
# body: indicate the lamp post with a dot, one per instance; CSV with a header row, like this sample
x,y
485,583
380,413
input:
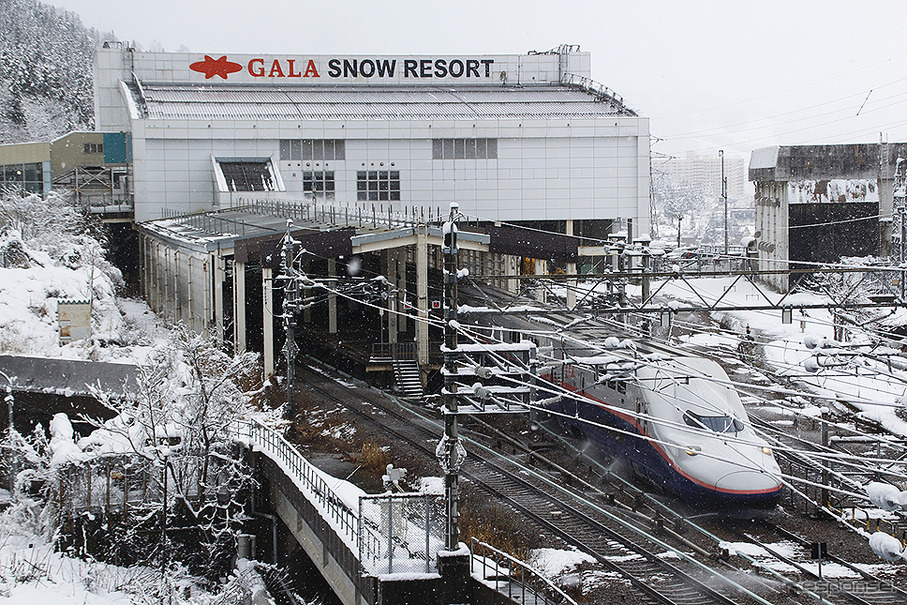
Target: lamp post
x,y
12,456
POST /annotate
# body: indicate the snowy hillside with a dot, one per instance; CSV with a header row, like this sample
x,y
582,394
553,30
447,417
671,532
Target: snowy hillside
x,y
45,71
47,256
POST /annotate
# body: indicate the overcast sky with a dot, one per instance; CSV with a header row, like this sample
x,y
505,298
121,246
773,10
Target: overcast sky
x,y
711,75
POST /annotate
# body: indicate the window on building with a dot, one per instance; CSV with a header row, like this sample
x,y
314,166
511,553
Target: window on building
x,y
247,175
464,149
22,177
93,148
313,149
319,183
378,185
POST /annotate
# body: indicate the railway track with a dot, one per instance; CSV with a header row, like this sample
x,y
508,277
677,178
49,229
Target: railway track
x,y
619,544
879,590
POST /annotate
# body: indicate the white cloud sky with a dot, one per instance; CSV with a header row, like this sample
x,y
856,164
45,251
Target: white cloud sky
x,y
710,74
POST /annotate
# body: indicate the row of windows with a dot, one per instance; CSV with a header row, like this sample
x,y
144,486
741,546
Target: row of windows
x,y
312,149
441,149
378,185
464,149
318,181
93,148
371,185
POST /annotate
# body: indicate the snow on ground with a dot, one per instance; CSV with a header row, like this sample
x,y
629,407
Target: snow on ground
x,y
123,330
553,562
33,573
800,555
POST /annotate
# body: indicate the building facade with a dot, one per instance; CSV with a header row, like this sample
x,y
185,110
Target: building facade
x,y
508,137
704,172
93,165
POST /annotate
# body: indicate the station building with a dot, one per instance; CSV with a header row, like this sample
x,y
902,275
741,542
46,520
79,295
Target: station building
x,y
508,137
93,165
364,153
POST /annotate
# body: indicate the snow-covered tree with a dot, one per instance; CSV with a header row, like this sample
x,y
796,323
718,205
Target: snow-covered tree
x,y
181,419
46,59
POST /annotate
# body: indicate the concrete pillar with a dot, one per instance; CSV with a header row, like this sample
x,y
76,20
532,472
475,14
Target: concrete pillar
x,y
192,320
401,286
165,293
267,297
220,274
571,269
511,268
422,293
390,272
239,307
332,299
177,276
207,295
541,268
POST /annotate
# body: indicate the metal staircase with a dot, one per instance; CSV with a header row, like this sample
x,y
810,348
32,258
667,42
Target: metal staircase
x,y
408,378
401,357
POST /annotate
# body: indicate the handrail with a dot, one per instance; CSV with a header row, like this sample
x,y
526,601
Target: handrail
x,y
528,569
602,92
308,479
370,540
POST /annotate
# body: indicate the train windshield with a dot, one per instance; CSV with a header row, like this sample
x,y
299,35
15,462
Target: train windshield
x,y
719,424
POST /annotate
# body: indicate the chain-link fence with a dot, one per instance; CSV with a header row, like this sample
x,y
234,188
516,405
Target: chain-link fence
x,y
400,533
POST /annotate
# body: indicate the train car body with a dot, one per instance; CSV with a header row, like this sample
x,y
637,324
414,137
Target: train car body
x,y
681,431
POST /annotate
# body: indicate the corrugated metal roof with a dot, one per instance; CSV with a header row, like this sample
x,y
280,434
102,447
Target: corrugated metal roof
x,y
212,102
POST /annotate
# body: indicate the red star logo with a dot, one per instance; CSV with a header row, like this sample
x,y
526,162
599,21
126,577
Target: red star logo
x,y
215,67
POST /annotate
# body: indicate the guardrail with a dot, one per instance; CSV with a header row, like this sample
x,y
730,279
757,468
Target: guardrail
x,y
307,478
388,532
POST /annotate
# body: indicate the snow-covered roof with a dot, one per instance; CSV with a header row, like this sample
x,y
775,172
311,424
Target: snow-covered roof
x,y
250,102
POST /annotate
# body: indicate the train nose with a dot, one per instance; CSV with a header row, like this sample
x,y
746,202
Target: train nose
x,y
748,481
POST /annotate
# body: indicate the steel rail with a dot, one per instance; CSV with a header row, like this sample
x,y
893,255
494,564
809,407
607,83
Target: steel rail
x,y
640,578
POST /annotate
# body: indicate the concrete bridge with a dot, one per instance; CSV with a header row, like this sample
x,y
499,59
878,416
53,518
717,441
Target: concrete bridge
x,y
386,548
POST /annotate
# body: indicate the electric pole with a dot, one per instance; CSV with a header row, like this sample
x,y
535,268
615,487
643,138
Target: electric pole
x,y
724,199
10,402
291,305
450,451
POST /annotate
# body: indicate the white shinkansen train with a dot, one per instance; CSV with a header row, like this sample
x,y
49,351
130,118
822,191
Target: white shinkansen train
x,y
679,430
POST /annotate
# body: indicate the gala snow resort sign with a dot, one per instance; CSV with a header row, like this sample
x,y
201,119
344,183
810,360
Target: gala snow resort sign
x,y
336,68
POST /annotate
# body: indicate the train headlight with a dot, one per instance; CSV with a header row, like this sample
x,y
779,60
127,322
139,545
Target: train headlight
x,y
692,450
766,450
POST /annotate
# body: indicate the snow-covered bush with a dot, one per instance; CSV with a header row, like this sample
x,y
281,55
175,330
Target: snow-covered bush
x,y
177,427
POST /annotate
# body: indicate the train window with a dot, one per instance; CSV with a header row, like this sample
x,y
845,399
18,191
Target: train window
x,y
719,424
621,386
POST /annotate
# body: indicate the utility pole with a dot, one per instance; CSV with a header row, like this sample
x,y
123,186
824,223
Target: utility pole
x,y
724,200
450,451
902,210
290,307
10,401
